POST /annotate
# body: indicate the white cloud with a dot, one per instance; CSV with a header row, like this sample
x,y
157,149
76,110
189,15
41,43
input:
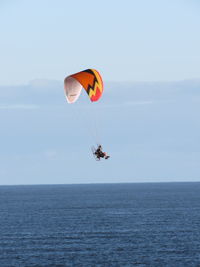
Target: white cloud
x,y
50,154
133,103
19,107
122,104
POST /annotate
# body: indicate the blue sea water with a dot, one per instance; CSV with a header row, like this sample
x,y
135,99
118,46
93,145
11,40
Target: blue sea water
x,y
149,224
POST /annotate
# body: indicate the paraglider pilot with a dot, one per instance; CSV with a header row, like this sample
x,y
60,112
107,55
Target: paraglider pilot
x,y
100,154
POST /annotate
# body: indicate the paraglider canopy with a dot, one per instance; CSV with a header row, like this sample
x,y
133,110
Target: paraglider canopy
x,y
89,79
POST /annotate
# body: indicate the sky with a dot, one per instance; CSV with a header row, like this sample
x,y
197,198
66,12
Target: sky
x,y
126,40
148,117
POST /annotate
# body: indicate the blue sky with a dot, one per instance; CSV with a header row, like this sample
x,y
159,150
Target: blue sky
x,y
148,118
126,40
151,131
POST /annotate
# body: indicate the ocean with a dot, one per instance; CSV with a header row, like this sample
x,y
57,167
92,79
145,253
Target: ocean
x,y
100,225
